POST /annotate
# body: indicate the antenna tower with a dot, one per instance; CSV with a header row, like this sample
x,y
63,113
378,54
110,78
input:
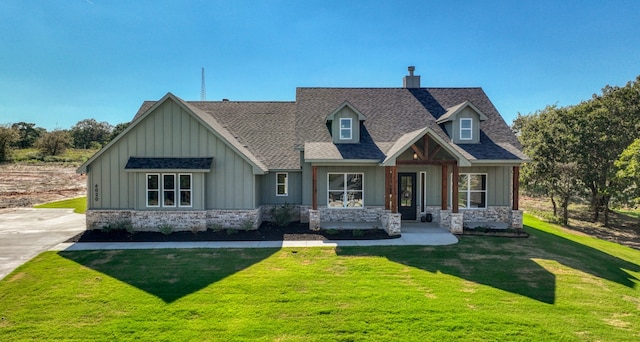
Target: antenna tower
x,y
203,89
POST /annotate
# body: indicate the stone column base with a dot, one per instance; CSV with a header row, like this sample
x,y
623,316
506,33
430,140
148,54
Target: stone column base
x,y
392,223
314,219
516,219
457,223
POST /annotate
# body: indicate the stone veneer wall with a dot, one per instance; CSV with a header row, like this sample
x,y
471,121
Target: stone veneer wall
x,y
490,214
370,214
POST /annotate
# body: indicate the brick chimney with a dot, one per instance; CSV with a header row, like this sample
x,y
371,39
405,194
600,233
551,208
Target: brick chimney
x,y
411,81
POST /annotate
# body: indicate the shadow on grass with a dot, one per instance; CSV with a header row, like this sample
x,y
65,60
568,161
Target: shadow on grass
x,y
169,274
511,265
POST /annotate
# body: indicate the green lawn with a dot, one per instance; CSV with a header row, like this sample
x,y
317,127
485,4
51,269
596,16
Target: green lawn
x,y
630,212
79,204
552,286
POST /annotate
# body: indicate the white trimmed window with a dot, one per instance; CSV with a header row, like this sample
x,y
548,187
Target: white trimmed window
x,y
472,190
466,129
346,129
282,184
345,190
163,189
153,190
185,189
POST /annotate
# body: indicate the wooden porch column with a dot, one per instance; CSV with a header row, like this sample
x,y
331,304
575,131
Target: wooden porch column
x,y
387,187
516,187
454,190
314,187
443,192
394,189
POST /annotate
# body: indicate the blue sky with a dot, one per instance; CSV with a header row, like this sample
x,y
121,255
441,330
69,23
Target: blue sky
x,y
68,60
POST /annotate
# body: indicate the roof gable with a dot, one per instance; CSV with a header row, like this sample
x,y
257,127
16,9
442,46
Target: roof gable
x,y
346,104
452,112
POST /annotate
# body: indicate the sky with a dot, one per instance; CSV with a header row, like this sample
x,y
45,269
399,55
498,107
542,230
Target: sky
x,y
68,60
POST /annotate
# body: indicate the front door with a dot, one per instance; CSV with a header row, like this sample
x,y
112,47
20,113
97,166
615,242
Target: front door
x,y
407,195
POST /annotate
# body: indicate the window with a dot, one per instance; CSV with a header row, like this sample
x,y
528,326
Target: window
x,y
185,190
282,185
466,129
153,190
169,190
472,190
345,190
345,129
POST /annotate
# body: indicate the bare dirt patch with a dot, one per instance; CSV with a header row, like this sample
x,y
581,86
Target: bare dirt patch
x,y
623,229
26,185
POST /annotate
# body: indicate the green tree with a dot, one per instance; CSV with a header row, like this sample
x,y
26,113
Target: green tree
x,y
28,133
628,174
119,128
53,143
548,140
605,126
89,132
8,137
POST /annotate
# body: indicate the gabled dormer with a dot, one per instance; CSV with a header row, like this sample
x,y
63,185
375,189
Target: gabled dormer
x,y
462,123
344,124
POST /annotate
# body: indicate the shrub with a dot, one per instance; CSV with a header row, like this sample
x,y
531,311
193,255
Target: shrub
x,y
231,231
357,233
165,229
247,225
118,225
282,215
195,230
216,227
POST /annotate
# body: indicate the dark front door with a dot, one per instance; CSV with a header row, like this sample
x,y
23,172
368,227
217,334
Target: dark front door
x,y
407,195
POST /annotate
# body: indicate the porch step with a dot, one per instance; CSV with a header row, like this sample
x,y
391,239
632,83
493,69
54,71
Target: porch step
x,y
491,225
350,225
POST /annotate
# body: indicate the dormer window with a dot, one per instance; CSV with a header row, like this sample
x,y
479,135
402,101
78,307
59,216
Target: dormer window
x,y
466,129
346,129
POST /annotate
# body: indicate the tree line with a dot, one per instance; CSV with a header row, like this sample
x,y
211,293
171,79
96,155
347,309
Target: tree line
x,y
86,134
590,150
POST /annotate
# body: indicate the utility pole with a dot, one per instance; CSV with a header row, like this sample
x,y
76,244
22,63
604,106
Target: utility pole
x,y
203,89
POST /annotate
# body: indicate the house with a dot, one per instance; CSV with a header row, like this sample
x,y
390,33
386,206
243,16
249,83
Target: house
x,y
379,155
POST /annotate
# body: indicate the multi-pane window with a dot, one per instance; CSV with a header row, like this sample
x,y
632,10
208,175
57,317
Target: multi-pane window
x,y
472,190
466,129
282,186
185,190
163,189
345,129
153,190
345,190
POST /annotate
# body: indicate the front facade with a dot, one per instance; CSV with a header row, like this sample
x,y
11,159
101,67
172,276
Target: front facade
x,y
378,155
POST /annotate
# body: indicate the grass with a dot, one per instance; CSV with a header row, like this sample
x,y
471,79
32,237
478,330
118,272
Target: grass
x,y
629,212
553,286
79,204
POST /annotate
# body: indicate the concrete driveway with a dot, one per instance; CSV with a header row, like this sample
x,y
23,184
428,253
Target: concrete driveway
x,y
26,232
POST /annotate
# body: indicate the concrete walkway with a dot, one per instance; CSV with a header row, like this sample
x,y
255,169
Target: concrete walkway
x,y
422,237
25,233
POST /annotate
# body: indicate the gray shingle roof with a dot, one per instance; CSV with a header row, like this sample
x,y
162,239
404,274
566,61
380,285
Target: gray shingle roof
x,y
274,131
393,112
168,163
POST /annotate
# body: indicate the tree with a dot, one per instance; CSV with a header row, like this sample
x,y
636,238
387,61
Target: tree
x,y
628,174
28,133
8,137
605,126
548,140
119,128
53,143
89,132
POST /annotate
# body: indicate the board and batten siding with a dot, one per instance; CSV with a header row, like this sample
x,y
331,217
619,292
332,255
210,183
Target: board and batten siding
x,y
267,188
498,183
373,182
170,131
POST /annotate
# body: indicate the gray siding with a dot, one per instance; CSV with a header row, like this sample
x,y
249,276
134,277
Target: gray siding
x,y
267,189
373,183
466,113
171,132
346,113
498,183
